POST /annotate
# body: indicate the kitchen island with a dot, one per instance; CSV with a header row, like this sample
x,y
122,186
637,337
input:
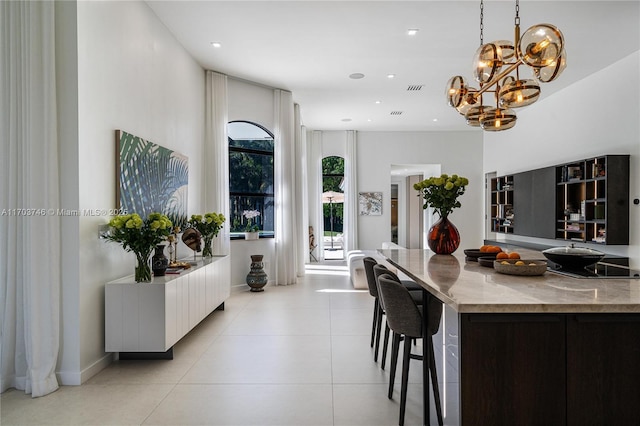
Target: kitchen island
x,y
519,350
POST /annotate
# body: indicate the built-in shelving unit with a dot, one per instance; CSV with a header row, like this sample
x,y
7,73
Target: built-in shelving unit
x,y
585,201
502,213
592,200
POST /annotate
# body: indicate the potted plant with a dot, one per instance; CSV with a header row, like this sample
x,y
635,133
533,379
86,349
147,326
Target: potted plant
x,y
441,193
208,225
251,231
140,237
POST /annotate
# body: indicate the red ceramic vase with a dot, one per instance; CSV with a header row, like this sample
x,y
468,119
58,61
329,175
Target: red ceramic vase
x,y
444,237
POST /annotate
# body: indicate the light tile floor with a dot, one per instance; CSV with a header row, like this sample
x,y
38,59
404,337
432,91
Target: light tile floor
x,y
294,355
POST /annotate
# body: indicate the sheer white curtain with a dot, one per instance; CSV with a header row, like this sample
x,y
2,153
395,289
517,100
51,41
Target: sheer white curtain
x,y
300,140
351,193
314,174
30,266
287,238
216,156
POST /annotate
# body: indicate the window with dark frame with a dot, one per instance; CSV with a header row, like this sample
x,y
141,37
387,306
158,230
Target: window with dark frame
x,y
251,177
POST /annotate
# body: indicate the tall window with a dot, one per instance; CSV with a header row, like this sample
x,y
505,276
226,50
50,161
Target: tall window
x,y
333,182
250,176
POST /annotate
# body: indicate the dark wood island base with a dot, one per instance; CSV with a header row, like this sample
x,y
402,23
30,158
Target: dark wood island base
x,y
550,369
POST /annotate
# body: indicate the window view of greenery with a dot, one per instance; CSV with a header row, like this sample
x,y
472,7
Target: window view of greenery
x,y
250,177
333,207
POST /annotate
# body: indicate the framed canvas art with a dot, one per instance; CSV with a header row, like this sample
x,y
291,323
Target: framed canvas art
x,y
150,178
370,203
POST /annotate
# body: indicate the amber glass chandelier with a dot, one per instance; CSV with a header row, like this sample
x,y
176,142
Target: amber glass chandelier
x,y
497,70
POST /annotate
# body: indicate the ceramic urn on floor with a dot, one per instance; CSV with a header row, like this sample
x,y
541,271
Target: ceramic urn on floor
x,y
257,278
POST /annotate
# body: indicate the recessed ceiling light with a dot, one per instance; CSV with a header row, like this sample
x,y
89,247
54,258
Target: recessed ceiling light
x,y
412,31
378,102
435,119
346,120
216,44
391,75
356,76
369,120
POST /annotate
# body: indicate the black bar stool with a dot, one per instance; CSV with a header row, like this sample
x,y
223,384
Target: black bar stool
x,y
405,319
415,292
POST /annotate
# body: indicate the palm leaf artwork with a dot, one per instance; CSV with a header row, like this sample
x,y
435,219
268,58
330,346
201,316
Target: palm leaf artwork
x,y
152,178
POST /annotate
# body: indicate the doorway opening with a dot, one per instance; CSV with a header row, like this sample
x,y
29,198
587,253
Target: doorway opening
x,y
333,207
412,221
394,213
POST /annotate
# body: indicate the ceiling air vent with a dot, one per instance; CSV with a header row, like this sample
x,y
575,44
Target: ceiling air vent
x,y
396,112
415,87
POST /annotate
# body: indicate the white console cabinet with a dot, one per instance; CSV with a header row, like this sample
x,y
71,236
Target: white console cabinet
x,y
152,317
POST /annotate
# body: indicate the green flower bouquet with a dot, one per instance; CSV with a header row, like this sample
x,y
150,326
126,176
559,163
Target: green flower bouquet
x,y
442,192
140,237
208,225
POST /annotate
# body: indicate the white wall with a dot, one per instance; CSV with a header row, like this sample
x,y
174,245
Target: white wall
x,y
414,214
67,102
456,152
132,75
250,102
334,144
598,115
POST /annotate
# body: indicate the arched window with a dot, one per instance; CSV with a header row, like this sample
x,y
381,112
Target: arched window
x,y
333,205
250,177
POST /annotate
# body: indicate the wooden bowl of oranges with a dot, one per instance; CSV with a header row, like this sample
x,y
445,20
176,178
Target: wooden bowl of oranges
x,y
524,267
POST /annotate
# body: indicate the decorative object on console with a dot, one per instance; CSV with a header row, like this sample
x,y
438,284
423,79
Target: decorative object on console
x,y
191,237
441,193
208,225
150,178
541,47
159,261
257,277
173,245
140,237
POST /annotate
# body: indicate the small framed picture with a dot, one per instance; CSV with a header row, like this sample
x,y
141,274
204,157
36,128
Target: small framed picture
x,y
370,203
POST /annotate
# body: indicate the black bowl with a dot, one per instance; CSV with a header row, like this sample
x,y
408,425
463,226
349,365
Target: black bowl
x,y
474,254
573,257
486,261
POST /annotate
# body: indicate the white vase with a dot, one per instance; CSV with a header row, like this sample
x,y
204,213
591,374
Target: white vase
x,y
251,235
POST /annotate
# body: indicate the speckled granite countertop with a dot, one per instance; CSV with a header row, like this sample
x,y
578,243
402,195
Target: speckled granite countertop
x,y
468,287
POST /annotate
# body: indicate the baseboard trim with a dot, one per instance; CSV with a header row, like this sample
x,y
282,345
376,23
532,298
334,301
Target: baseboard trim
x,y
76,378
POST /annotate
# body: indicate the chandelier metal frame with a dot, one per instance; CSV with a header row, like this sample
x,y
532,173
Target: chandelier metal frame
x,y
541,48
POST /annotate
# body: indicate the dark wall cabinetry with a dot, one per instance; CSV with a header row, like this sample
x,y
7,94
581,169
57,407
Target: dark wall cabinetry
x,y
533,203
522,203
584,201
592,200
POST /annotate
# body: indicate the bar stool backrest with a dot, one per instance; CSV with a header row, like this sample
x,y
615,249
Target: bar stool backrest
x,y
403,316
369,263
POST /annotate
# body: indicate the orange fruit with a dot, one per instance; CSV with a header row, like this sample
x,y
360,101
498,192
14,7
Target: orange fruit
x,y
483,249
502,255
514,255
494,249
